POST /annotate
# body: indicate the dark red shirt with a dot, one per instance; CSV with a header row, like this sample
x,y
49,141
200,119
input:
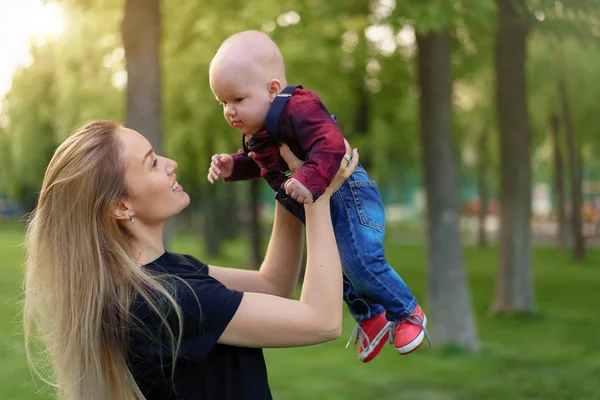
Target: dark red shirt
x,y
312,135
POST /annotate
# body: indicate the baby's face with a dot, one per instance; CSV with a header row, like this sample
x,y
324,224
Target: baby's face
x,y
244,95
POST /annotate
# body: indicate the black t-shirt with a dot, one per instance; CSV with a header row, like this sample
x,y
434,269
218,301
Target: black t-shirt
x,y
204,369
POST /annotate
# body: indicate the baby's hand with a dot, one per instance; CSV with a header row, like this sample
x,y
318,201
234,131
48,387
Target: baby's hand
x,y
298,191
221,166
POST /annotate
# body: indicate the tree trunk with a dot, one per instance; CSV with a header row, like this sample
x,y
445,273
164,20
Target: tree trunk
x,y
230,214
452,320
141,40
514,290
575,170
225,211
362,118
212,208
212,231
255,223
141,32
562,237
363,111
483,186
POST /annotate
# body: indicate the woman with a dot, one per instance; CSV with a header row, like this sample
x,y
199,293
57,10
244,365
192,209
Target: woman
x,y
122,318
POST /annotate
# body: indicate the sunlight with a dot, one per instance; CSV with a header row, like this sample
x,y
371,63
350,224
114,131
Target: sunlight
x,y
22,22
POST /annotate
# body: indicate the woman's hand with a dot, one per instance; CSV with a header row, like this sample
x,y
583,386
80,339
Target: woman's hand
x,y
347,166
290,158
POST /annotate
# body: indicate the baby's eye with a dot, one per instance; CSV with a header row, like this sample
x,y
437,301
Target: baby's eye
x,y
238,100
155,163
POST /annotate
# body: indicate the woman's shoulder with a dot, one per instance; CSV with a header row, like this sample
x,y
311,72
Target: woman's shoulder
x,y
187,259
177,264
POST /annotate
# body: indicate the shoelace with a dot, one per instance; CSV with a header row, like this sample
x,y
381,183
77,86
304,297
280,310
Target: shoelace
x,y
414,319
359,333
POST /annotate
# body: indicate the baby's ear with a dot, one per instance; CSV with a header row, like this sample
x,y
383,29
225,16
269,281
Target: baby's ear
x,y
274,88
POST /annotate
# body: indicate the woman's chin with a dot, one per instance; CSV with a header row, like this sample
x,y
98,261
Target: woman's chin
x,y
183,201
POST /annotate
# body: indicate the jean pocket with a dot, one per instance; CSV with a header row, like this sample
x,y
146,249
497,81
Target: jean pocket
x,y
368,204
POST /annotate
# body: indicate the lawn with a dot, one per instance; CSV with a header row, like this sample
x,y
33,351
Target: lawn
x,y
552,355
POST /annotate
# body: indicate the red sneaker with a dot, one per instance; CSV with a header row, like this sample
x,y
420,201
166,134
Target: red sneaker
x,y
409,332
371,334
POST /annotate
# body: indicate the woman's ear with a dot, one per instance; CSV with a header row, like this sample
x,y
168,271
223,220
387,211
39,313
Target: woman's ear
x,y
122,211
274,88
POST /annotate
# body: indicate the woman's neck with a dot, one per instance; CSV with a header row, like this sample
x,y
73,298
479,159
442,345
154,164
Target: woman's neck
x,y
149,244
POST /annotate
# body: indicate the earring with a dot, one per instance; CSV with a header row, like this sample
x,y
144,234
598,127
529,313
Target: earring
x,y
130,218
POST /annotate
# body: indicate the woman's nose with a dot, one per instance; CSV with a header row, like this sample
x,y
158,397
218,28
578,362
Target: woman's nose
x,y
171,166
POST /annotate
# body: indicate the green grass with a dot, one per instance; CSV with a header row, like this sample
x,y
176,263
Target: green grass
x,y
554,354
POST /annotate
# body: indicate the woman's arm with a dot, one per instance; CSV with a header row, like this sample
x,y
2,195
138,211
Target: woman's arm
x,y
278,274
268,321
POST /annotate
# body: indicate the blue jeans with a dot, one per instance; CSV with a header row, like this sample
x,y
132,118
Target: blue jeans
x,y
371,286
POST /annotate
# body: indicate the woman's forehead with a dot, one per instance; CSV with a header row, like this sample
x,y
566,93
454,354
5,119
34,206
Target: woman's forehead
x,y
134,146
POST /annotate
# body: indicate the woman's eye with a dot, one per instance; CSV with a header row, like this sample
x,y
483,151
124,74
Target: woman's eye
x,y
155,162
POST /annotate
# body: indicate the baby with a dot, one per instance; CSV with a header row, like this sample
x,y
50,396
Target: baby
x,y
247,76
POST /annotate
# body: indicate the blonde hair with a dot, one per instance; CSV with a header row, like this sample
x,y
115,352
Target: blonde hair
x,y
80,276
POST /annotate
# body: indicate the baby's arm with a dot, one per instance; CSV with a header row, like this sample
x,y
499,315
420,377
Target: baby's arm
x,y
221,166
321,139
232,167
298,191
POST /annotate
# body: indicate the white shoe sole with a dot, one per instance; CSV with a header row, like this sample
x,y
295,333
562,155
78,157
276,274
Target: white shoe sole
x,y
416,342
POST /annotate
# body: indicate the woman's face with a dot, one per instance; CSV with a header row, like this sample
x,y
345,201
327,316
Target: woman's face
x,y
154,194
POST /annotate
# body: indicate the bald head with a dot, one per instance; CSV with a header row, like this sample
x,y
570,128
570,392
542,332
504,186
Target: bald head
x,y
250,52
245,76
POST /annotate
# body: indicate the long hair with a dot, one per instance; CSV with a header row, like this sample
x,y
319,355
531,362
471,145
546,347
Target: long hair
x,y
80,275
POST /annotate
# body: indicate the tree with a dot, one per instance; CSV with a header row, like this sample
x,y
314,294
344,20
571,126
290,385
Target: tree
x,y
514,286
452,315
255,229
559,184
483,185
574,169
29,141
141,31
65,85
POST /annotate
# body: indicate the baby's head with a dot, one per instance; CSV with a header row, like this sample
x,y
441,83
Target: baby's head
x,y
245,76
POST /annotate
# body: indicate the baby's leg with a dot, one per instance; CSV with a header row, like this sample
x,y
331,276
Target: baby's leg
x,y
359,224
360,307
372,329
